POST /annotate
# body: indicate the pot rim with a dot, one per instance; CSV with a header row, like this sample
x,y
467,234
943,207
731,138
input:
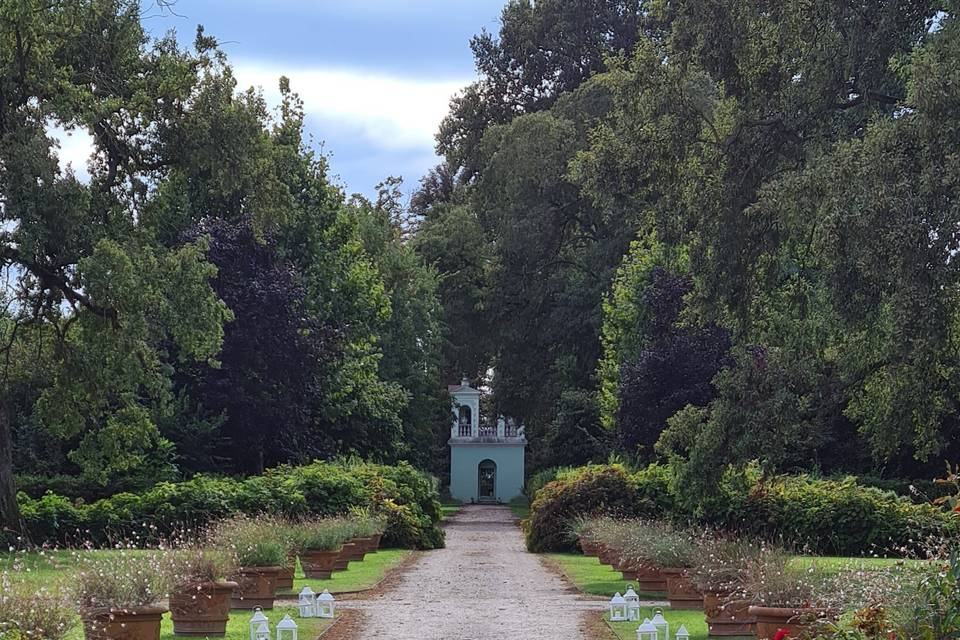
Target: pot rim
x,y
147,609
260,569
196,586
792,611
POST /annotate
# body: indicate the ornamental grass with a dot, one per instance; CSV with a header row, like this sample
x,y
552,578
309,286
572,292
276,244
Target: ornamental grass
x,y
28,612
259,542
128,579
647,542
721,562
768,580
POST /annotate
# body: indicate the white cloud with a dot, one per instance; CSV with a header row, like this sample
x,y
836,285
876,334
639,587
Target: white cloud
x,y
388,111
76,147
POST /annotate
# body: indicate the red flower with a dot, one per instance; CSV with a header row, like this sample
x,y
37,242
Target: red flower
x,y
781,634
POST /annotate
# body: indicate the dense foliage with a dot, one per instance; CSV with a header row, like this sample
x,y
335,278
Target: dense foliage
x,y
407,498
202,298
790,172
832,517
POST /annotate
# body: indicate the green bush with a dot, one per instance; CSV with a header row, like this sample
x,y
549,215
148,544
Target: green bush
x,y
542,478
836,517
592,490
321,488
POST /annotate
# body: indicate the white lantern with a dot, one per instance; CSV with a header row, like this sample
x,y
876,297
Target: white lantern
x,y
647,631
307,603
663,627
618,608
325,605
286,629
633,604
255,622
262,633
682,633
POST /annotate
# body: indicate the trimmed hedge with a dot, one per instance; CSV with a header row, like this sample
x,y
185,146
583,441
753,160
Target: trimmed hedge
x,y
407,497
836,517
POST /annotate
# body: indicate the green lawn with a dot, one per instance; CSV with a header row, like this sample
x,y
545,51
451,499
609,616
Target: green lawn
x,y
520,507
49,567
835,564
238,625
588,575
358,576
449,510
694,621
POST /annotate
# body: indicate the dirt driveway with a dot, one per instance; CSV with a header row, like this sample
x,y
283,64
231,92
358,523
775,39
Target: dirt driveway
x,y
482,586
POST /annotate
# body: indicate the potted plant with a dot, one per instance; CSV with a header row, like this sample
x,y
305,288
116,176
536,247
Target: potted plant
x,y
581,532
623,543
260,549
319,544
675,552
368,531
718,575
201,596
118,594
287,573
29,611
784,599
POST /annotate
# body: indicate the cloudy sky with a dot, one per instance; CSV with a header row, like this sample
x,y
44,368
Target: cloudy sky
x,y
375,75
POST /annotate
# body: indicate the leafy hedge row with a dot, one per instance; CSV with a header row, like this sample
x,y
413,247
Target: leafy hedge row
x,y
407,497
837,517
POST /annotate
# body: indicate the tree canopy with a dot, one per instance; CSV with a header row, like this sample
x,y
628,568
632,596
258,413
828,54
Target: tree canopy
x,y
731,224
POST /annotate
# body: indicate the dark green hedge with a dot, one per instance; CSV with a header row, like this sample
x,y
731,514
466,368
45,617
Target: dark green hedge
x,y
406,496
836,517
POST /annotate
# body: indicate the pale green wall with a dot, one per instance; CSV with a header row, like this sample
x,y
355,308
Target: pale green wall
x,y
466,458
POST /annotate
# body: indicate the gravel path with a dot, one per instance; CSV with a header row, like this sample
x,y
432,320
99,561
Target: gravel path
x,y
482,586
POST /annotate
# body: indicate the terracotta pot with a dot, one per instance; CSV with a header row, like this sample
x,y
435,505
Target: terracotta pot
x,y
726,617
138,623
359,550
650,580
794,621
346,553
318,565
201,610
605,555
368,544
625,567
286,575
681,592
256,587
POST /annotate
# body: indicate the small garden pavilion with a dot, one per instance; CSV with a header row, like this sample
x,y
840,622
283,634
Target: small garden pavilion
x,y
486,462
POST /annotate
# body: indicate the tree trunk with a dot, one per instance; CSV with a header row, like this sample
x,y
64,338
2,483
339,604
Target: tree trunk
x,y
9,510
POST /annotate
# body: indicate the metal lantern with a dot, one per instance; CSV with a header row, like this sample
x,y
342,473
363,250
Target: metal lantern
x,y
286,629
618,608
663,627
682,633
325,605
307,603
255,622
633,604
647,631
262,632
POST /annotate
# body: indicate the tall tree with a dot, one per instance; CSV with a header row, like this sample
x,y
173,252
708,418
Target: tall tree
x,y
86,273
543,49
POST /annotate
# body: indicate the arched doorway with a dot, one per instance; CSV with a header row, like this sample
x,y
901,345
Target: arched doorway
x,y
487,481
